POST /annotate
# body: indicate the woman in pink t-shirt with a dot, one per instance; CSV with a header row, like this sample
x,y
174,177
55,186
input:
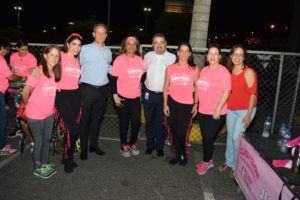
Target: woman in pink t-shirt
x,y
68,100
180,101
38,97
214,86
21,61
127,72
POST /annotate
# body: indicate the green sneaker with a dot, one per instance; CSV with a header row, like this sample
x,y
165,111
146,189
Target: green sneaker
x,y
50,168
42,172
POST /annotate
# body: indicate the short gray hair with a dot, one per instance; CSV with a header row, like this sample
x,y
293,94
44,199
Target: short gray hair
x,y
100,24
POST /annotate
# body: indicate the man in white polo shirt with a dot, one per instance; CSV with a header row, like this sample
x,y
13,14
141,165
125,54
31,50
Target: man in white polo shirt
x,y
156,63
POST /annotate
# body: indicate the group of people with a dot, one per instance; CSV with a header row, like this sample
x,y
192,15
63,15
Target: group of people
x,y
71,87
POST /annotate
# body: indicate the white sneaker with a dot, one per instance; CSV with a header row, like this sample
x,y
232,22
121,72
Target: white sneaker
x,y
125,151
134,150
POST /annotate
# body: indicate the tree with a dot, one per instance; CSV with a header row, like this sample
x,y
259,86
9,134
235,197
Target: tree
x,y
200,22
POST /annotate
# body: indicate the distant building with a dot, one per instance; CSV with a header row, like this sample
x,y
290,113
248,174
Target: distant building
x,y
179,6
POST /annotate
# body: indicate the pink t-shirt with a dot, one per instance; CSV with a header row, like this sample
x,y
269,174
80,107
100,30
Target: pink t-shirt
x,y
211,85
70,72
22,65
129,72
4,73
181,83
41,101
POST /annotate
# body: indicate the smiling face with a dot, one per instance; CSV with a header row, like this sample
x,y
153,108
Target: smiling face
x,y
100,35
213,56
23,50
130,46
184,53
159,45
52,58
237,57
74,47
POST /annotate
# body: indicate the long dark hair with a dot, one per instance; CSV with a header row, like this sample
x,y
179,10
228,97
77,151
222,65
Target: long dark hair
x,y
123,45
56,68
73,36
229,63
191,58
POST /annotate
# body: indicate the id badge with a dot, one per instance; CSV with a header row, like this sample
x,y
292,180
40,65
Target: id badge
x,y
146,95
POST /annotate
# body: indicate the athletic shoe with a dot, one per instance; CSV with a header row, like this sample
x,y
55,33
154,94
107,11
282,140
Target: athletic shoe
x,y
4,152
50,168
43,172
14,134
294,142
134,150
203,167
125,151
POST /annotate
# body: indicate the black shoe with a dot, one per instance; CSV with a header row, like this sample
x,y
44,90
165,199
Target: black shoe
x,y
97,150
69,165
63,161
174,161
83,155
159,152
149,151
182,161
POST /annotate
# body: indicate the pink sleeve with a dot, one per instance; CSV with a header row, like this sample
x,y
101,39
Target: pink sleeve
x,y
116,66
33,61
226,81
4,69
31,81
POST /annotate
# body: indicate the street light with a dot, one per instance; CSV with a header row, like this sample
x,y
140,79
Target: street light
x,y
147,10
18,9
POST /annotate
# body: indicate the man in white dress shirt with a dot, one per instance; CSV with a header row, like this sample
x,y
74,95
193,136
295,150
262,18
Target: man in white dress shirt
x,y
156,63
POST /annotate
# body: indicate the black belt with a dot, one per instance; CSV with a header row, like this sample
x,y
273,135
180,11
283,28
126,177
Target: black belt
x,y
154,92
94,86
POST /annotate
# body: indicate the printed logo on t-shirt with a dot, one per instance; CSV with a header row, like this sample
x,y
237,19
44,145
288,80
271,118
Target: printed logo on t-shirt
x,y
179,78
19,69
71,70
203,84
49,89
134,71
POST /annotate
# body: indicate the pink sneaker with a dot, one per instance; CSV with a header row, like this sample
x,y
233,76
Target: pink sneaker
x,y
134,150
11,151
294,142
4,152
203,167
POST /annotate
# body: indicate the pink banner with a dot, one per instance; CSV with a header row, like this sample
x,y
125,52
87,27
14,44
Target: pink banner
x,y
255,177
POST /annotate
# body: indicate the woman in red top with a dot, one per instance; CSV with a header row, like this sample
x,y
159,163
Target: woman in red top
x,y
241,102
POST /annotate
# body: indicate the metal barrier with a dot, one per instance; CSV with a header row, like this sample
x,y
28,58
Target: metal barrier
x,y
278,88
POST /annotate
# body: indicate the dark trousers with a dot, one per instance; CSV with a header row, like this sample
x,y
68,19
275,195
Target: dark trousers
x,y
209,130
178,125
93,105
2,121
130,112
155,130
67,104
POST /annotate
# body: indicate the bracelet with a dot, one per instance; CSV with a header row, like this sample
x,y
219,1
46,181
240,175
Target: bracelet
x,y
196,103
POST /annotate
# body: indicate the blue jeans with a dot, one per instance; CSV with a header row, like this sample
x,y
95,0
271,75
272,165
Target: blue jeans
x,y
2,120
235,127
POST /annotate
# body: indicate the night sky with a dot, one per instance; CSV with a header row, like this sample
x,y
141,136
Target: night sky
x,y
37,15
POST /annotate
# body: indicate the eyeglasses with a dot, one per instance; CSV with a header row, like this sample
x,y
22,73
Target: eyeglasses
x,y
237,55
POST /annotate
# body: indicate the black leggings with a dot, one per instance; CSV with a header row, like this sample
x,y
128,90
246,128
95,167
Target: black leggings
x,y
178,126
209,130
130,112
67,105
